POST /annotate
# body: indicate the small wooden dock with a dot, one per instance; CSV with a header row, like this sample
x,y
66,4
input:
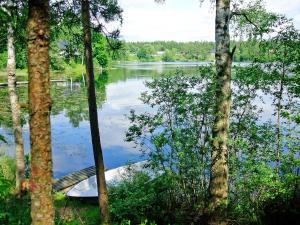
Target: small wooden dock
x,y
68,181
26,82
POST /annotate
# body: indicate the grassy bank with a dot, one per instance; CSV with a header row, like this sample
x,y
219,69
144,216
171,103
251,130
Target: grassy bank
x,y
68,71
74,71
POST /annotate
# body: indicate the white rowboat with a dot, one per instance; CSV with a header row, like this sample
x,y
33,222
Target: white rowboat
x,y
88,187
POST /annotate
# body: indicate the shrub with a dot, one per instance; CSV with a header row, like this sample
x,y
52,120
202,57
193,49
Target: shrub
x,y
7,175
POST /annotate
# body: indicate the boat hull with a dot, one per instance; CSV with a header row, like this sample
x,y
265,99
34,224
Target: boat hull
x,y
88,187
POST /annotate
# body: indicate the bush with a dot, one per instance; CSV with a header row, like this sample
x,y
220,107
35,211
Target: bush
x,y
12,210
7,175
15,211
140,199
177,134
132,199
3,60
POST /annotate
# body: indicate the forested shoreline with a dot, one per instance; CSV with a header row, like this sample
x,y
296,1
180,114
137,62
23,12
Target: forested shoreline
x,y
171,51
157,51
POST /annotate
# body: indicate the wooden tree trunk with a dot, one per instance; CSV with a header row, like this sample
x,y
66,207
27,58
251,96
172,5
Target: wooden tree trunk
x,y
278,128
42,210
97,150
218,186
15,108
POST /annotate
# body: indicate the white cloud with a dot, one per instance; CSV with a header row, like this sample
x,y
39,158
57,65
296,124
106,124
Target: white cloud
x,y
291,9
145,20
151,21
283,6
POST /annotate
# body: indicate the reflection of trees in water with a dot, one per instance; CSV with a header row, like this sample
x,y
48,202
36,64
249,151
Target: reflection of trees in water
x,y
5,111
70,101
124,72
73,102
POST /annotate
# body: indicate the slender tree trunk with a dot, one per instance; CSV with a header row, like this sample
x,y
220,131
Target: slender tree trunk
x,y
278,128
218,186
15,107
42,210
97,150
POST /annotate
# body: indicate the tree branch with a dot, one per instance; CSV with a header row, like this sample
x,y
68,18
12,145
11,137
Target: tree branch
x,y
237,13
105,32
233,51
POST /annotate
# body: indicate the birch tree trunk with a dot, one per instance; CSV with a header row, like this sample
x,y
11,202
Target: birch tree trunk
x,y
95,134
15,107
218,186
42,211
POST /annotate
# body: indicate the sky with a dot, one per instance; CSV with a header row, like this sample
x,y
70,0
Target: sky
x,y
183,20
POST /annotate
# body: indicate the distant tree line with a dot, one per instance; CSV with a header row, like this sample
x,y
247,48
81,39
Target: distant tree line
x,y
171,51
66,50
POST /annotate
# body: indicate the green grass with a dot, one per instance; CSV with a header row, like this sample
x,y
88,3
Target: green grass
x,y
72,70
21,75
15,211
75,211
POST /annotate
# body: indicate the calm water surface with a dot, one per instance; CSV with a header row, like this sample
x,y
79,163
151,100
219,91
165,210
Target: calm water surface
x,y
117,93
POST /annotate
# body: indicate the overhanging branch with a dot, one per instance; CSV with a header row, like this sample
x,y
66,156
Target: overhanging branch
x,y
237,13
233,51
106,33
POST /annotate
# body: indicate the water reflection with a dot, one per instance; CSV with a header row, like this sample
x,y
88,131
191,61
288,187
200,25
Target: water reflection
x,y
117,92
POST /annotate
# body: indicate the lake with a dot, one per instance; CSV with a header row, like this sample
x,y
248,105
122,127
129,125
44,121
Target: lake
x,y
118,91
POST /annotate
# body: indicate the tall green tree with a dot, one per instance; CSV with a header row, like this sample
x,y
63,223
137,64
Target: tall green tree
x,y
252,15
42,210
281,56
100,49
218,185
108,11
145,53
93,115
12,9
14,102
